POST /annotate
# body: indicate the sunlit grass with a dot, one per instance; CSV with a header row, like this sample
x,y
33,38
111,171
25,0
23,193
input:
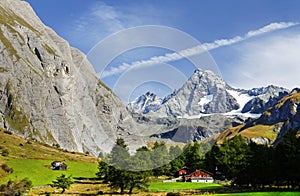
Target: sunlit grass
x,y
40,172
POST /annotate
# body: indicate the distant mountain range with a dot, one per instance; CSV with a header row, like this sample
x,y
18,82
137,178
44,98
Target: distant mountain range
x,y
204,106
207,93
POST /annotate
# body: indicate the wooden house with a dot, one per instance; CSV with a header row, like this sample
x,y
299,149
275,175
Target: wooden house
x,y
199,176
57,165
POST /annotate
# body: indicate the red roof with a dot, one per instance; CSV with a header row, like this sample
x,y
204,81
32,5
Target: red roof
x,y
199,174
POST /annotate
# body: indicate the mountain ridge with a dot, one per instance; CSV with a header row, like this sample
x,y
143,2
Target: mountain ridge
x,y
204,106
273,124
259,99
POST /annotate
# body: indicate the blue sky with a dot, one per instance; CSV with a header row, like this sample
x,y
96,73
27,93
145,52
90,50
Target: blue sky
x,y
254,43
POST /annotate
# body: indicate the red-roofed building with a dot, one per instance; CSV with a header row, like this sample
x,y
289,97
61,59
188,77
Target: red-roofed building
x,y
199,176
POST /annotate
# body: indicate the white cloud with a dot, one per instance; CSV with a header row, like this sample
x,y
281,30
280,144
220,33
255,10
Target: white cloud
x,y
270,60
271,27
196,50
101,16
103,19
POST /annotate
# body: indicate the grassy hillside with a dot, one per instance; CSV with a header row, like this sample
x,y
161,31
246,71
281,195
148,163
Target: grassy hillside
x,y
266,131
269,124
32,159
26,149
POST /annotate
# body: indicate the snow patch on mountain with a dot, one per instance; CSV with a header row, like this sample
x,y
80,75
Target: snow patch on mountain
x,y
186,116
205,100
145,103
241,98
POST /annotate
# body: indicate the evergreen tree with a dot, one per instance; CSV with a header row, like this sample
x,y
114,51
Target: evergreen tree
x,y
193,158
141,161
160,158
231,158
117,174
260,171
63,182
103,171
119,154
287,159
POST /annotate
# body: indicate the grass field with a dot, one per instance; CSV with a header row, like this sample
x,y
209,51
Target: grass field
x,y
40,173
171,186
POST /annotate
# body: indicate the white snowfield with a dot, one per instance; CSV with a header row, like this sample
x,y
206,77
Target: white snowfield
x,y
241,98
206,99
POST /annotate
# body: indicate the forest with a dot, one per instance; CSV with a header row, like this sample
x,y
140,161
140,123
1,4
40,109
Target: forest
x,y
238,162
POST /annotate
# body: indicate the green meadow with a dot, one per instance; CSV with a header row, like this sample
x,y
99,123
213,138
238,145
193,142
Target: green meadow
x,y
171,186
40,172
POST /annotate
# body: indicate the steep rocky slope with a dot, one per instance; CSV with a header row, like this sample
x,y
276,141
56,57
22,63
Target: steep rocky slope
x,y
273,123
50,92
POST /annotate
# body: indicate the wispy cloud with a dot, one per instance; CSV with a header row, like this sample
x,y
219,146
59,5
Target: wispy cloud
x,y
102,15
271,27
105,18
169,57
271,60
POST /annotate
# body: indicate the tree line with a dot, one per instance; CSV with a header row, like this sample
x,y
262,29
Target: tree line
x,y
241,162
258,165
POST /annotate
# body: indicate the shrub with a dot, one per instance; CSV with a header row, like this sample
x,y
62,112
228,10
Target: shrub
x,y
56,146
63,182
6,168
17,187
173,194
5,152
8,132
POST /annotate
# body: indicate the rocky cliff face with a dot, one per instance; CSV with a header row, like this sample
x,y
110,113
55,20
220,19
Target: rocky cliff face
x,y
50,92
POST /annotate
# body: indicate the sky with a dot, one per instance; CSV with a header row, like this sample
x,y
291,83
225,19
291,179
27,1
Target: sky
x,y
250,43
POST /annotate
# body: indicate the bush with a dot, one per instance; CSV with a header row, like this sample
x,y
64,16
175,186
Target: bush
x,y
173,194
8,132
5,152
7,169
17,187
63,182
56,146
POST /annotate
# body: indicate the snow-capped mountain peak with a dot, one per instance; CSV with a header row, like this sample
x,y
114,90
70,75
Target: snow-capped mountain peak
x,y
145,103
206,93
